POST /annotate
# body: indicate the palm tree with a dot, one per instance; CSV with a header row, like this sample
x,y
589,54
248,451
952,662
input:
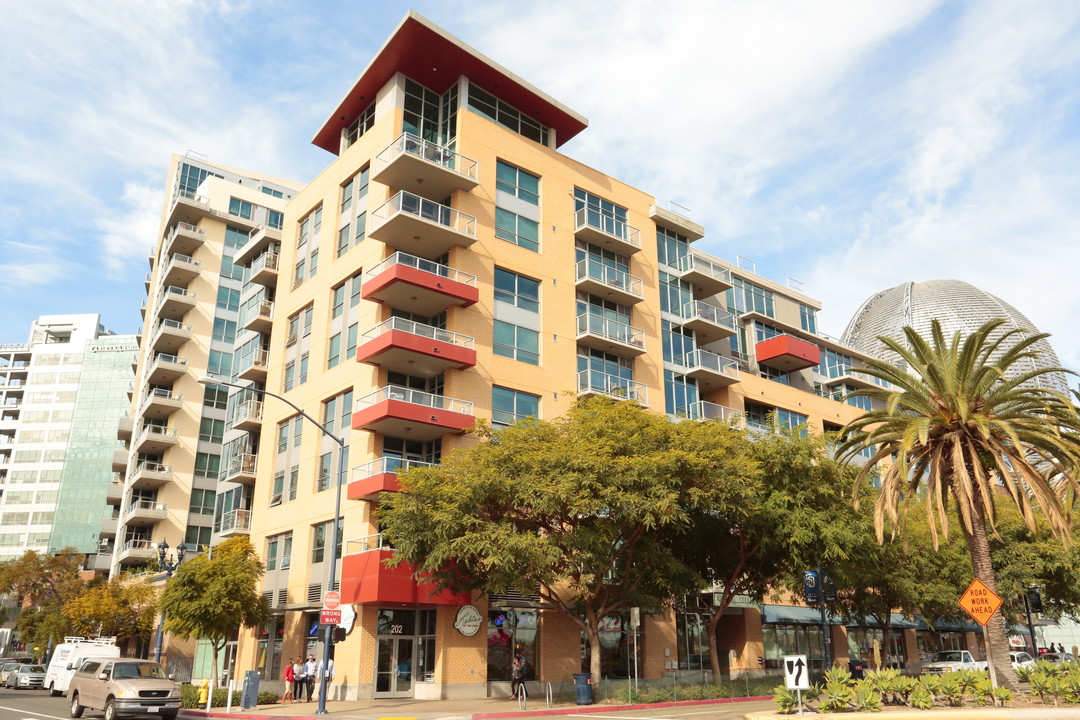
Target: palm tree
x,y
961,422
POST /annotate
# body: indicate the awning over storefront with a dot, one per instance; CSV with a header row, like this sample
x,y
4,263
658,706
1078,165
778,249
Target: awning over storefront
x,y
897,622
947,625
795,615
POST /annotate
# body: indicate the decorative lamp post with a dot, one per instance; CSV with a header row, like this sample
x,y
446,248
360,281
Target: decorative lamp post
x,y
169,567
328,633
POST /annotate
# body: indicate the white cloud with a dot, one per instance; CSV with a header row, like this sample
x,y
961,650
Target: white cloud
x,y
130,233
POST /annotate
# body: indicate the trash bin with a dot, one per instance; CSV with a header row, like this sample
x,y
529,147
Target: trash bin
x,y
583,688
855,667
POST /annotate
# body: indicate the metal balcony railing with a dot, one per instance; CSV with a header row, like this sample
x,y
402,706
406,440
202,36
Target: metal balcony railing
x,y
409,204
428,266
586,217
430,151
418,329
415,397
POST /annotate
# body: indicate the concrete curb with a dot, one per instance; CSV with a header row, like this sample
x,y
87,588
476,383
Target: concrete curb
x,y
583,709
1027,713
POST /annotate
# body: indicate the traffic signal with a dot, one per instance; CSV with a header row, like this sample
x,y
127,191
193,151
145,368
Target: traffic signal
x,y
1035,600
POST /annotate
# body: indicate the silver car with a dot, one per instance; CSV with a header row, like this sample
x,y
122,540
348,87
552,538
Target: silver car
x,y
26,677
7,668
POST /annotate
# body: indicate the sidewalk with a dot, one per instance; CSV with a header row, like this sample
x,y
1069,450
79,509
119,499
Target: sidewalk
x,y
473,709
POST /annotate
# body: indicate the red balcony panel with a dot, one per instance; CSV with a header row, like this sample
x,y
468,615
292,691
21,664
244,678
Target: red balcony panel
x,y
366,581
787,353
418,291
369,488
410,420
414,354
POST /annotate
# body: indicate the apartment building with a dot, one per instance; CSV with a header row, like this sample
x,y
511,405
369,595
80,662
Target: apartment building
x,y
62,395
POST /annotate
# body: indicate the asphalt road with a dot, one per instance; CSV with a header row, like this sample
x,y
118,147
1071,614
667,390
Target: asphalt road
x,y
34,705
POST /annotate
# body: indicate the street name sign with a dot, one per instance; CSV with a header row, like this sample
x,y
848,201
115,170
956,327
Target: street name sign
x,y
980,602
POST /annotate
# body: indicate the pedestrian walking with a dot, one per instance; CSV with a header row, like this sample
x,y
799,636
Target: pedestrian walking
x,y
290,682
517,676
329,677
299,680
311,669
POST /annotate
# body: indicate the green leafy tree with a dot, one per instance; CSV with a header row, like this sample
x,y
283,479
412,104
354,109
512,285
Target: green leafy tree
x,y
212,597
42,583
958,426
124,607
582,510
789,516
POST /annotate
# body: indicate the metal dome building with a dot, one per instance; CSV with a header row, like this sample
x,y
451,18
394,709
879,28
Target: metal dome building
x,y
958,305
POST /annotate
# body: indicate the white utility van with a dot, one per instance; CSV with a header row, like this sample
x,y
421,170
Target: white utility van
x,y
68,656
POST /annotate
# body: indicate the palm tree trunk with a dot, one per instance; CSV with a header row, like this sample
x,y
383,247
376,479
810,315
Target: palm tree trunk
x,y
979,549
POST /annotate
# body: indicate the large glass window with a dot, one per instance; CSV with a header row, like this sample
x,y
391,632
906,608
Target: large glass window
x,y
617,643
486,104
240,208
517,229
808,318
781,640
693,641
508,406
517,290
517,182
516,342
318,540
748,297
512,631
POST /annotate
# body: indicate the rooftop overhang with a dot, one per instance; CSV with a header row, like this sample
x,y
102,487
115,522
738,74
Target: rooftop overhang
x,y
432,57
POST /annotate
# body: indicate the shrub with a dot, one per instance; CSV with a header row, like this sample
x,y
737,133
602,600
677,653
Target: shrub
x,y
903,686
921,697
866,696
786,700
268,698
1003,695
952,690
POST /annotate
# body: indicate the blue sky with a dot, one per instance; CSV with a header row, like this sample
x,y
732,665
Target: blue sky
x,y
850,145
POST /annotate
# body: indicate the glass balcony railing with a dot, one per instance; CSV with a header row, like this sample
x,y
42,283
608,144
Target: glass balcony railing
x,y
367,543
428,266
609,276
698,310
170,359
709,361
173,325
610,330
235,520
410,144
408,204
386,465
594,381
418,329
702,410
151,467
588,218
268,261
146,506
699,263
415,397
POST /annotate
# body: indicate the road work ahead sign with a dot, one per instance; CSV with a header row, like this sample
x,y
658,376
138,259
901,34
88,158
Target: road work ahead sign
x,y
796,672
980,602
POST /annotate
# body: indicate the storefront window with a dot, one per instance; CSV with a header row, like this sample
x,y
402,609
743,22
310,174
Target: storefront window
x,y
512,631
781,640
862,643
269,657
693,631
616,645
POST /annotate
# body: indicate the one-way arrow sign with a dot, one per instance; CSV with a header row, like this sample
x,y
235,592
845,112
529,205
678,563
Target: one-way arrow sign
x,y
796,676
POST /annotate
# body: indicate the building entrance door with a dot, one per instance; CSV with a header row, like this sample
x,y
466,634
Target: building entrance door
x,y
395,667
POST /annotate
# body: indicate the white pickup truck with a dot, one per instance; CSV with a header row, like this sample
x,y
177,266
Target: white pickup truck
x,y
948,661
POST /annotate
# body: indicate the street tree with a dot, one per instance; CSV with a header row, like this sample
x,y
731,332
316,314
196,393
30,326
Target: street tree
x,y
791,515
42,583
123,607
212,597
962,419
582,510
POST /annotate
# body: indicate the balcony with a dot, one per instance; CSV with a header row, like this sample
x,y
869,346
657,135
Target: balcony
x,y
166,369
124,428
412,414
256,369
248,416
136,552
608,282
149,475
708,322
240,469
155,439
185,237
706,277
260,239
169,335
594,382
420,286
119,460
709,368
145,512
854,378
174,302
420,226
264,269
415,349
423,167
160,403
181,270
702,410
235,522
677,221
365,580
787,353
260,318
114,495
379,476
609,335
606,232
108,527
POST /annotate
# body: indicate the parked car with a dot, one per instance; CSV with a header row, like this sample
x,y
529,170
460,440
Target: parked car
x,y
124,687
6,668
1021,659
1058,657
26,677
948,661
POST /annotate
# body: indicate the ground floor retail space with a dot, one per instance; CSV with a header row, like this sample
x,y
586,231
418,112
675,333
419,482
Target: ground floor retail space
x,y
468,649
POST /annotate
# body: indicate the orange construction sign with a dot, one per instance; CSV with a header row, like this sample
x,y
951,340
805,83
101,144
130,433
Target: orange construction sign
x,y
980,602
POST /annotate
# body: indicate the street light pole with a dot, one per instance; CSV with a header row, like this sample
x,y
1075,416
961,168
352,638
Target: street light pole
x,y
169,567
328,637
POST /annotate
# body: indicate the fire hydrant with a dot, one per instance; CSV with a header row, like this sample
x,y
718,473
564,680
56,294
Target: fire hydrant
x,y
204,691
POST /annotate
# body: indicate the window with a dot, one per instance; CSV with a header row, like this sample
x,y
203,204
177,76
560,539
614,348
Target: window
x,y
323,482
235,238
333,351
240,208
775,375
207,465
197,537
275,219
211,430
202,501
224,330
318,541
335,406
294,477
278,490
808,318
834,364
216,398
230,270
293,329
309,226
343,239
220,363
228,299
748,297
283,436
509,406
337,301
289,377
516,342
356,283
486,104
601,213
347,195
299,270
303,370
516,229
313,261
364,122
279,551
517,290
309,314
350,341
517,182
297,430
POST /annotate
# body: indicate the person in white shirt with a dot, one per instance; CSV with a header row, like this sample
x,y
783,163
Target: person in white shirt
x,y
329,676
310,669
